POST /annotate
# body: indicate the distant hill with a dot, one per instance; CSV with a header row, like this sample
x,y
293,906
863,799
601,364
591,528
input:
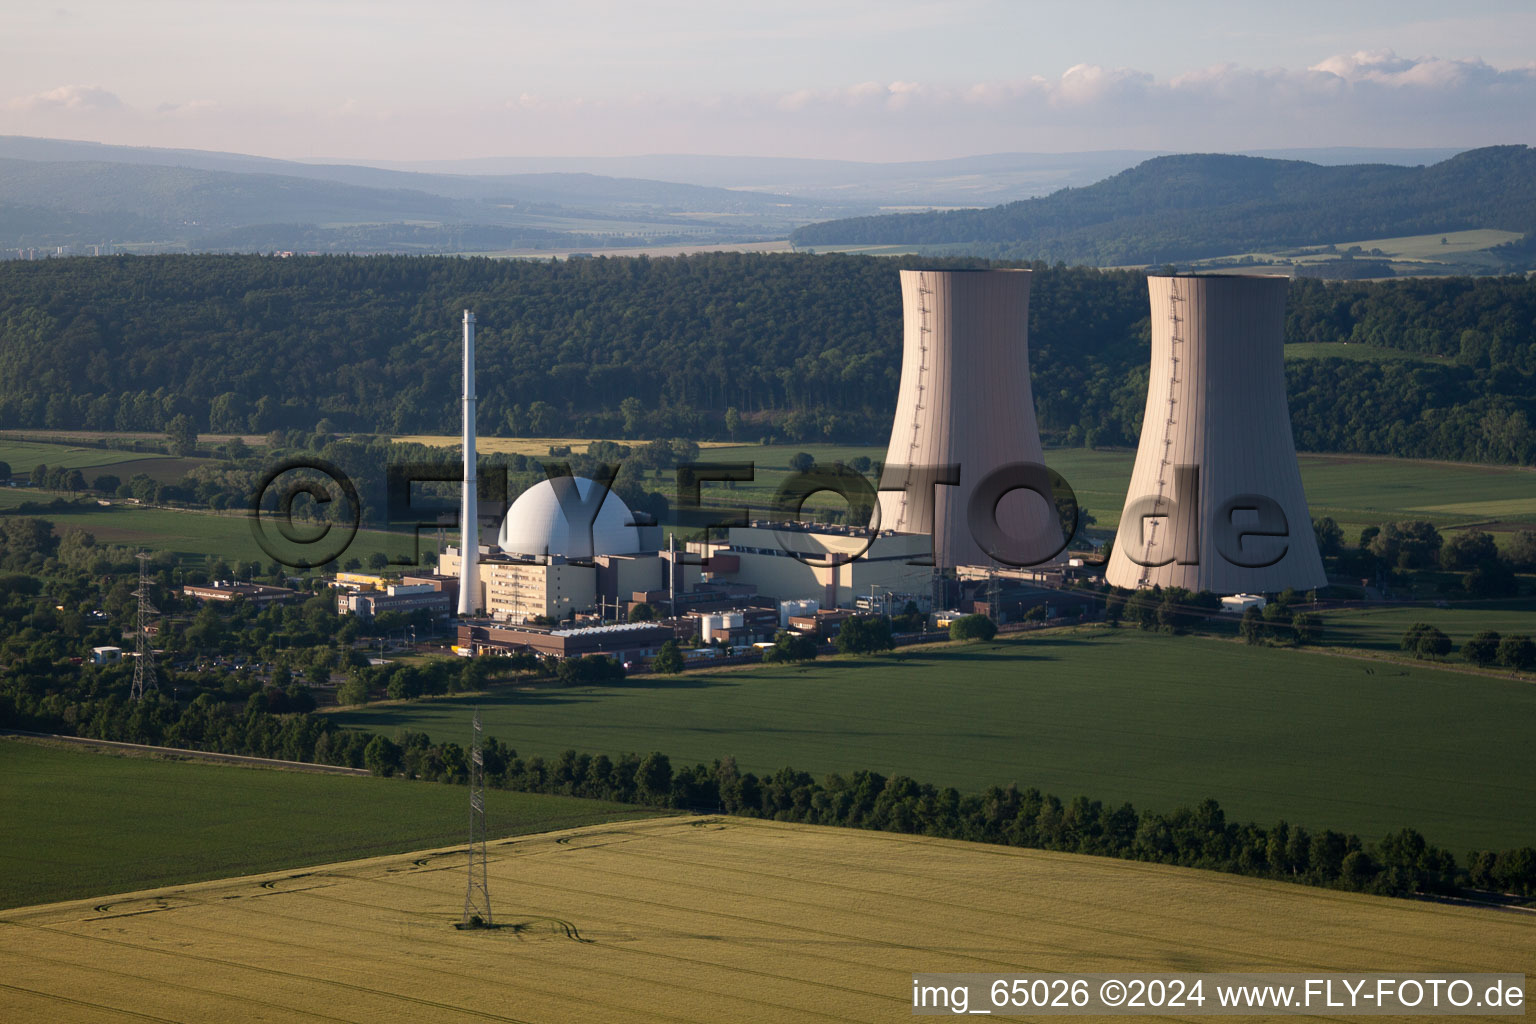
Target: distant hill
x,y
1179,208
61,193
953,181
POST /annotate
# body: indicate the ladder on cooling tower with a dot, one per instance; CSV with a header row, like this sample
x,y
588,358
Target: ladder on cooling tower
x,y
924,337
1175,340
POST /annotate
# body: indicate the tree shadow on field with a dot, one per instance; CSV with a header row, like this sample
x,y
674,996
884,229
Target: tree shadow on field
x,y
681,681
987,652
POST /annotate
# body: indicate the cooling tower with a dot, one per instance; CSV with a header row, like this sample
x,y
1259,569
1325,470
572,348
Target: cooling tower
x,y
965,402
1215,501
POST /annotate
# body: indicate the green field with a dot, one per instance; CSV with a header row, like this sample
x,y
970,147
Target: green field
x,y
1382,628
23,455
1359,353
1115,715
1436,247
1356,490
82,823
1360,490
192,534
1467,251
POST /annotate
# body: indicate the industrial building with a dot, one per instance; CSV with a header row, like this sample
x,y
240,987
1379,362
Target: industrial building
x,y
1216,501
546,565
965,402
965,409
229,590
628,643
829,564
398,597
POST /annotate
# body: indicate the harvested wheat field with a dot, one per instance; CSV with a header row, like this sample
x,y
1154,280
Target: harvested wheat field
x,y
692,919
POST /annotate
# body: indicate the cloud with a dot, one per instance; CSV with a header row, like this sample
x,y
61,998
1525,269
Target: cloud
x,y
1383,67
1088,83
1363,98
74,98
190,108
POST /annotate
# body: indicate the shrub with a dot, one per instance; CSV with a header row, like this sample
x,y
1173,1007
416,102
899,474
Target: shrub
x,y
972,627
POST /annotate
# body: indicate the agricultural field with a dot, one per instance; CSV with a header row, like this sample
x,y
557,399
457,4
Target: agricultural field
x,y
122,438
188,533
1363,490
1436,247
1466,251
1357,490
1359,353
695,920
539,446
1382,628
23,455
1116,715
86,823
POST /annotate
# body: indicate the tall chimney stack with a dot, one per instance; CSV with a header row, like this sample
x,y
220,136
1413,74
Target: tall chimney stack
x,y
469,519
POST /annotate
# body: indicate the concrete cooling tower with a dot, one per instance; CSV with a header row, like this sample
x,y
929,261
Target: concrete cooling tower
x,y
1215,501
965,402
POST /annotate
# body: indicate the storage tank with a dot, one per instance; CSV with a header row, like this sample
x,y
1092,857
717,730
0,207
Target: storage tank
x,y
790,609
709,626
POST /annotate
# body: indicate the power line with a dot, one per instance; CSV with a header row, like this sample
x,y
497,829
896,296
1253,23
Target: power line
x,y
144,663
477,897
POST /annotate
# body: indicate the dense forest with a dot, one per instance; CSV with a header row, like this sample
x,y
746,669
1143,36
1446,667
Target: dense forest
x,y
803,348
1201,205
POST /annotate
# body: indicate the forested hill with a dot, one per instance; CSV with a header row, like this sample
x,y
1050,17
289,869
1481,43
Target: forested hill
x,y
804,347
1178,208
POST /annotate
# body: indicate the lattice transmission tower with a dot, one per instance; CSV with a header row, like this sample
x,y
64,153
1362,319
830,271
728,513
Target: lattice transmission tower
x,y
477,897
144,662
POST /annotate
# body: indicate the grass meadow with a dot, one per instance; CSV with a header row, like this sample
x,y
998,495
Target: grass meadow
x,y
190,533
694,920
1358,491
23,455
86,823
1382,628
1359,353
1116,715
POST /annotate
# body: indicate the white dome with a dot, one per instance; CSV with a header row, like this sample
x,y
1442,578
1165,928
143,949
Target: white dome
x,y
536,523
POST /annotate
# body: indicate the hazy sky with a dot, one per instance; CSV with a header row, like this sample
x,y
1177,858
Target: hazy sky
x,y
888,80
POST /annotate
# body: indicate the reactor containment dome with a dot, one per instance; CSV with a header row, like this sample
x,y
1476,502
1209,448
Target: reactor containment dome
x,y
550,518
965,403
1216,501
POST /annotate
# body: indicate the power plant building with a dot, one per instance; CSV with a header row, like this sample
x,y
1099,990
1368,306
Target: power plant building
x,y
546,563
827,565
1216,501
965,402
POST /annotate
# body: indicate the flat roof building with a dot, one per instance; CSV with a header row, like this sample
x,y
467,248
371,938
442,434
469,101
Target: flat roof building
x,y
227,590
626,642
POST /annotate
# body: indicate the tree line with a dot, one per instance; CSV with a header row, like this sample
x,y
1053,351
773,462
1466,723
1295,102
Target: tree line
x,y
47,620
725,346
1200,837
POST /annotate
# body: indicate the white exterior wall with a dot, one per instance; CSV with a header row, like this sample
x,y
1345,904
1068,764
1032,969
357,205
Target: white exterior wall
x,y
1216,401
517,591
965,398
